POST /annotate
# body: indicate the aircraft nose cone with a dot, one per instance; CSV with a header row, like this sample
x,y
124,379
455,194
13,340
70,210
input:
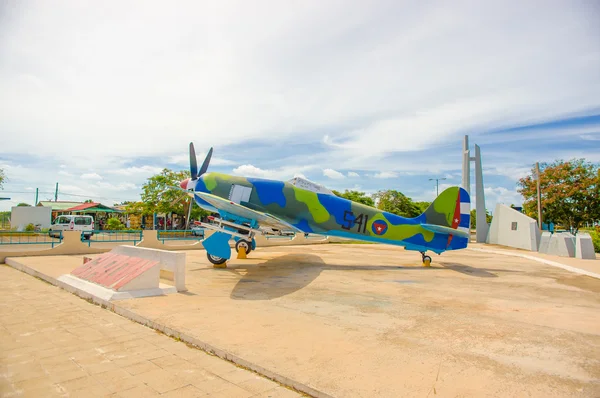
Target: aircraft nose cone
x,y
183,184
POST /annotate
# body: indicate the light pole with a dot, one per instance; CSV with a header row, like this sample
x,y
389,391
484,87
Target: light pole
x,y
437,184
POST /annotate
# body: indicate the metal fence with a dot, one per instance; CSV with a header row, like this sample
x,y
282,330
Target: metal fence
x,y
29,238
182,234
5,221
104,236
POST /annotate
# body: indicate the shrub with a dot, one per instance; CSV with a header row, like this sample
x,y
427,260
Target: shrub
x,y
596,239
114,224
30,227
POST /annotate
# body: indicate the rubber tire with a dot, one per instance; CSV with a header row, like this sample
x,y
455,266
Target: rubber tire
x,y
213,260
243,241
426,261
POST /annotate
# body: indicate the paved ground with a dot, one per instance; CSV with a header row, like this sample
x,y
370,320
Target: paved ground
x,y
368,320
56,344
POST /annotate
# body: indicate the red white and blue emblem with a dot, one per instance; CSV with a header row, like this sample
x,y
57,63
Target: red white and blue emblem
x,y
379,227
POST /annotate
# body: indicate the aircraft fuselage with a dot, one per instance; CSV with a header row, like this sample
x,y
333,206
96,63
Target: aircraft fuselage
x,y
328,214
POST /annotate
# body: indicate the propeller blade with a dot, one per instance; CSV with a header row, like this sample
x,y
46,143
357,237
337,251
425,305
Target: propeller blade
x,y
206,162
193,162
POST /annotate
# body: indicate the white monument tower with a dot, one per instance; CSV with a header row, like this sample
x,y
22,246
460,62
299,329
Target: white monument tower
x,y
482,225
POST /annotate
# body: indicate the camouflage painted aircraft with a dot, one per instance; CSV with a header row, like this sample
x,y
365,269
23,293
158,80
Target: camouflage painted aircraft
x,y
250,206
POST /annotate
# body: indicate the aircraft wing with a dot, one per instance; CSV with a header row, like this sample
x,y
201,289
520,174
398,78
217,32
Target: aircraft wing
x,y
263,219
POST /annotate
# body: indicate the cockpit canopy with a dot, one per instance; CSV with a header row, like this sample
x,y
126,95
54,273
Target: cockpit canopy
x,y
309,185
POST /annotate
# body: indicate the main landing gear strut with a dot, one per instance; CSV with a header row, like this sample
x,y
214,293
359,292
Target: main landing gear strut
x,y
426,260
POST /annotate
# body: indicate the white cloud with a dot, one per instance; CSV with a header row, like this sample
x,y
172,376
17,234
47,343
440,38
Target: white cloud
x,y
270,70
353,174
184,160
334,174
65,173
248,170
591,137
494,195
386,174
123,186
91,176
137,170
285,173
507,170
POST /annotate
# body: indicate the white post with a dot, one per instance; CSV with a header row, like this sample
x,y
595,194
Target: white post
x,y
482,225
466,166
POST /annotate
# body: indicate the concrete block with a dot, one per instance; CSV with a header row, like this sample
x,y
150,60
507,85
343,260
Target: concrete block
x,y
513,229
169,261
545,242
562,244
584,247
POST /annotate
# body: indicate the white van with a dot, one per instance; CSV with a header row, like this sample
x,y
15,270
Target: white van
x,y
85,224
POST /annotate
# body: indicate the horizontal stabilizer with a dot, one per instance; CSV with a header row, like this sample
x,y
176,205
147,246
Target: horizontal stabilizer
x,y
440,229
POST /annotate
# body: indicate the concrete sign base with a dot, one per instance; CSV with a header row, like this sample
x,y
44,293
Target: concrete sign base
x,y
584,247
562,244
128,272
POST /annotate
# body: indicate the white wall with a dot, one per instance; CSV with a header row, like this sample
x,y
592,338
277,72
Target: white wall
x,y
21,216
526,236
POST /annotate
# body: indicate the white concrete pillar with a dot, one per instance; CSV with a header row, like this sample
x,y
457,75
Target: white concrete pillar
x,y
482,225
466,166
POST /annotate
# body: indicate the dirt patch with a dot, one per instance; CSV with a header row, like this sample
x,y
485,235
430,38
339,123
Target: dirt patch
x,y
582,282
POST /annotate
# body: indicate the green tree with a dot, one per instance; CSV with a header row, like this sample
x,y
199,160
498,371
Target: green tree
x,y
397,203
137,208
22,204
356,196
488,218
569,192
422,206
160,196
2,178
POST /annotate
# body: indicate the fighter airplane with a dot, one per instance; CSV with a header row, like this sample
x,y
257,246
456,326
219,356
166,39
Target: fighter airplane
x,y
251,206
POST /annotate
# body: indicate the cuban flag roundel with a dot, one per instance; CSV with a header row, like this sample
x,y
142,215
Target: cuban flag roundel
x,y
379,227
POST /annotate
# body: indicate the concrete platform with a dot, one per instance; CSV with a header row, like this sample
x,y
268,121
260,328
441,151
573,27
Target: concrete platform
x,y
368,320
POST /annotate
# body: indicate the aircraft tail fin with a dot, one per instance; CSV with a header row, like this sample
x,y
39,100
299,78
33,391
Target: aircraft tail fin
x,y
450,214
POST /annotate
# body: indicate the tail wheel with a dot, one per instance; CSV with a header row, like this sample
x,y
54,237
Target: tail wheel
x,y
426,261
243,244
216,260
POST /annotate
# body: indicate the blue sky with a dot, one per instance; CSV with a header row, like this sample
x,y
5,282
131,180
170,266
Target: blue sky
x,y
353,95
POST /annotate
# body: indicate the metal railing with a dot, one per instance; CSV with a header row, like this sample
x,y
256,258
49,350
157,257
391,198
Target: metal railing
x,y
180,234
111,236
29,238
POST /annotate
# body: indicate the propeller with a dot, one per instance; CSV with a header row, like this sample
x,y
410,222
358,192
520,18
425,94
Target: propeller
x,y
194,163
194,173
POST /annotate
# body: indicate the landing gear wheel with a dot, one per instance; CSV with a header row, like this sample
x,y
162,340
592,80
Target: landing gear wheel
x,y
243,244
218,262
426,261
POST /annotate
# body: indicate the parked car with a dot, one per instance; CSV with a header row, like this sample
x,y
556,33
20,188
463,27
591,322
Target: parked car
x,y
85,224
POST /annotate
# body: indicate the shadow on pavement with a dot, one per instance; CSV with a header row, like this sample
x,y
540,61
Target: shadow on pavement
x,y
276,277
479,272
